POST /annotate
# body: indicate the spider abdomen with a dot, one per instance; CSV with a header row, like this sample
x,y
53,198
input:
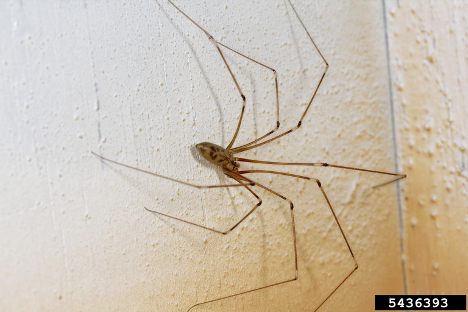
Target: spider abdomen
x,y
215,154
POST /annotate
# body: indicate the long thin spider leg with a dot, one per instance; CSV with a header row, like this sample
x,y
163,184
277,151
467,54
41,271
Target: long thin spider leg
x,y
388,182
210,37
346,240
334,216
207,33
240,177
398,175
274,172
249,146
228,173
277,95
170,179
185,221
240,91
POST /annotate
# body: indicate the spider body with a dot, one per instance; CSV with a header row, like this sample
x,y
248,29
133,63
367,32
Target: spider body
x,y
217,155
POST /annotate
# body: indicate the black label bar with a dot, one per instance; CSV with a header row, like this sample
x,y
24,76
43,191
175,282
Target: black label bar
x,y
420,302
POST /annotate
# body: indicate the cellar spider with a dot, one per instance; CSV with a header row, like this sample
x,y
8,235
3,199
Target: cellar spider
x,y
230,165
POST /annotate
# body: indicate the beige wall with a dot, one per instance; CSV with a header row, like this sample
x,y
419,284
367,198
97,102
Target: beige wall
x,y
138,83
429,49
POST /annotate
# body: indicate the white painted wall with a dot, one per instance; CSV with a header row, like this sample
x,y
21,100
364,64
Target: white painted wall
x,y
138,83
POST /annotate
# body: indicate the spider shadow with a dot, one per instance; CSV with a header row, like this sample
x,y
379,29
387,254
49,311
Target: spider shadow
x,y
200,67
196,241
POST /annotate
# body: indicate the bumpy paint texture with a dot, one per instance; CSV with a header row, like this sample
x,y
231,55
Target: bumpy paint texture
x,y
138,83
429,50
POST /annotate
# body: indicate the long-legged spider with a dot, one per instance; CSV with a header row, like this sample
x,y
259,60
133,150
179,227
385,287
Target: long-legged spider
x,y
226,160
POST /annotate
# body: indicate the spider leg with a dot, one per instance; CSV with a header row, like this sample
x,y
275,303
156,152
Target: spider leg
x,y
217,44
398,176
189,184
168,178
249,146
319,184
235,177
277,97
240,177
228,173
210,37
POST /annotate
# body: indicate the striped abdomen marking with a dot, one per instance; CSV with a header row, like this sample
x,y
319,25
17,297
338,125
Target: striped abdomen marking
x,y
215,154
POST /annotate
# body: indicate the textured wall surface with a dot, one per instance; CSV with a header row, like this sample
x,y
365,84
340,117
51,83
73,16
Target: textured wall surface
x,y
138,83
429,54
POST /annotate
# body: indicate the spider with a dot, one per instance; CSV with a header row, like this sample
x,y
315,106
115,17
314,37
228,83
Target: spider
x,y
226,159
